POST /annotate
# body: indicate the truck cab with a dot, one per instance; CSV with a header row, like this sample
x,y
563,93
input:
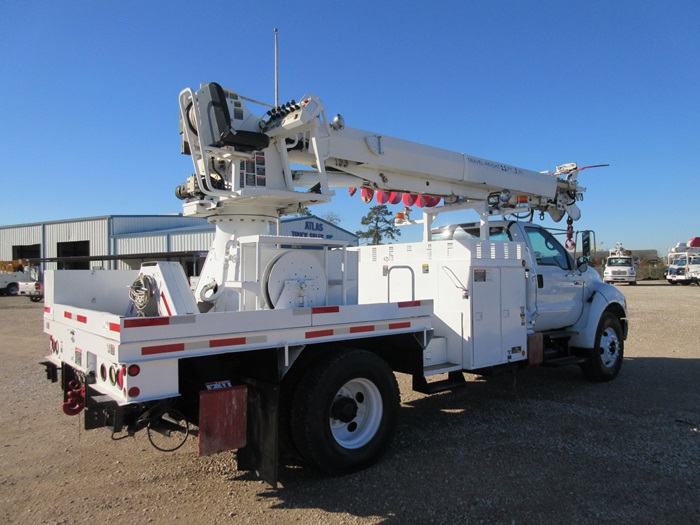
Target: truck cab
x,y
684,269
620,269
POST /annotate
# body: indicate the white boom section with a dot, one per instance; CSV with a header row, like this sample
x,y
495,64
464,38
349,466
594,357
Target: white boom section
x,y
255,154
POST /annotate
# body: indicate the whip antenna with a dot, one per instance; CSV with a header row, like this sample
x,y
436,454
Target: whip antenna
x,y
277,86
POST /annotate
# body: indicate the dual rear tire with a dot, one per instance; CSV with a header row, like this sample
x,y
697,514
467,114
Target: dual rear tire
x,y
344,411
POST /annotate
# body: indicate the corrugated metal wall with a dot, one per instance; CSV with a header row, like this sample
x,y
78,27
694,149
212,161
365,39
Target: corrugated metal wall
x,y
95,231
18,236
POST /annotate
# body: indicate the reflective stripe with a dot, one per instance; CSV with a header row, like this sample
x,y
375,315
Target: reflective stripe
x,y
162,349
325,310
318,333
138,322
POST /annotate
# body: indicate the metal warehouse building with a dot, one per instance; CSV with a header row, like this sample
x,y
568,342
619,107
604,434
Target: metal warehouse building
x,y
124,241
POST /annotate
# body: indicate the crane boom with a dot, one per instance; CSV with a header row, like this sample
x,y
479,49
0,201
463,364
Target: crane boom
x,y
244,160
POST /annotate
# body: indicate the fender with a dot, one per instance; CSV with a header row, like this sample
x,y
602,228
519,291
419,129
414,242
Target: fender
x,y
604,297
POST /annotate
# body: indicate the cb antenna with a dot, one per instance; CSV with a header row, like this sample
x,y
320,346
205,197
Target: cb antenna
x,y
277,85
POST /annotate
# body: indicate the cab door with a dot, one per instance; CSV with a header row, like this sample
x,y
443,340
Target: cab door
x,y
559,285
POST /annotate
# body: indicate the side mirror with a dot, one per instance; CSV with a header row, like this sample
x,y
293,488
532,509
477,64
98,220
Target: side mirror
x,y
582,263
586,244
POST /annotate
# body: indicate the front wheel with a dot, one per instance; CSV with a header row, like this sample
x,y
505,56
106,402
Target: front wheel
x,y
606,356
345,411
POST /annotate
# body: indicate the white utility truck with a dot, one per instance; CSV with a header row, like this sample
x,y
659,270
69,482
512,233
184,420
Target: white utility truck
x,y
684,262
12,273
620,266
289,340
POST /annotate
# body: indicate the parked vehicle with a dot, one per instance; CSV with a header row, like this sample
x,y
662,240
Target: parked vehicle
x,y
12,273
620,266
683,262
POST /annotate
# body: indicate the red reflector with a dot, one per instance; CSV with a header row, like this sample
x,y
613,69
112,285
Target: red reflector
x,y
319,333
136,322
407,304
134,391
162,349
358,329
325,310
120,378
134,370
82,319
394,326
227,342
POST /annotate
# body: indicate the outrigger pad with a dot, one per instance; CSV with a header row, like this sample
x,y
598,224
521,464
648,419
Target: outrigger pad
x,y
222,419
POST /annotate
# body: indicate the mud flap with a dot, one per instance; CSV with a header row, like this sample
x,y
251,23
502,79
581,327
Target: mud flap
x,y
222,419
261,452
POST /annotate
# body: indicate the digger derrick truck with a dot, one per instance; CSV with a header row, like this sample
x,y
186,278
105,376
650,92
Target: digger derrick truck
x,y
295,341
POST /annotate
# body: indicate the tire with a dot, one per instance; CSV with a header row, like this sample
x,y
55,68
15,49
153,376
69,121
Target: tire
x,y
345,411
633,283
607,354
35,298
12,289
672,283
685,283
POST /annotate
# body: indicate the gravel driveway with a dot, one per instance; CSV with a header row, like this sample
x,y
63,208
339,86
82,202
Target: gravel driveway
x,y
543,447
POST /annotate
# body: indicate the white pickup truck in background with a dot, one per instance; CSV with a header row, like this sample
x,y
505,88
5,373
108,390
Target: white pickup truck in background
x,y
32,289
14,273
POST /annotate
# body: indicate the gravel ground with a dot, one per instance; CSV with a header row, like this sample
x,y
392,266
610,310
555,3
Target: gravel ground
x,y
544,447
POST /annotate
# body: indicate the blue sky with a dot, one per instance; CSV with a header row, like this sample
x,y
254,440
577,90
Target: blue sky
x,y
89,95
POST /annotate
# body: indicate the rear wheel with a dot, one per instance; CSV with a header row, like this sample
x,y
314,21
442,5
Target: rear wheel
x,y
606,355
345,412
12,289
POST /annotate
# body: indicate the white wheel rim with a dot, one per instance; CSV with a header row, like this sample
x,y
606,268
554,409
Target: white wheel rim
x,y
609,348
363,427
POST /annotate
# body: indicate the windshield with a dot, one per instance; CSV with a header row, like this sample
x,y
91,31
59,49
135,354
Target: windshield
x,y
619,261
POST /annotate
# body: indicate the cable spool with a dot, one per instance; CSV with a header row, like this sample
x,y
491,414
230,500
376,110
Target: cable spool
x,y
142,293
295,279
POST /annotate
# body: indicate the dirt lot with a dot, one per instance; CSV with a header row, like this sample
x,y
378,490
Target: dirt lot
x,y
548,448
